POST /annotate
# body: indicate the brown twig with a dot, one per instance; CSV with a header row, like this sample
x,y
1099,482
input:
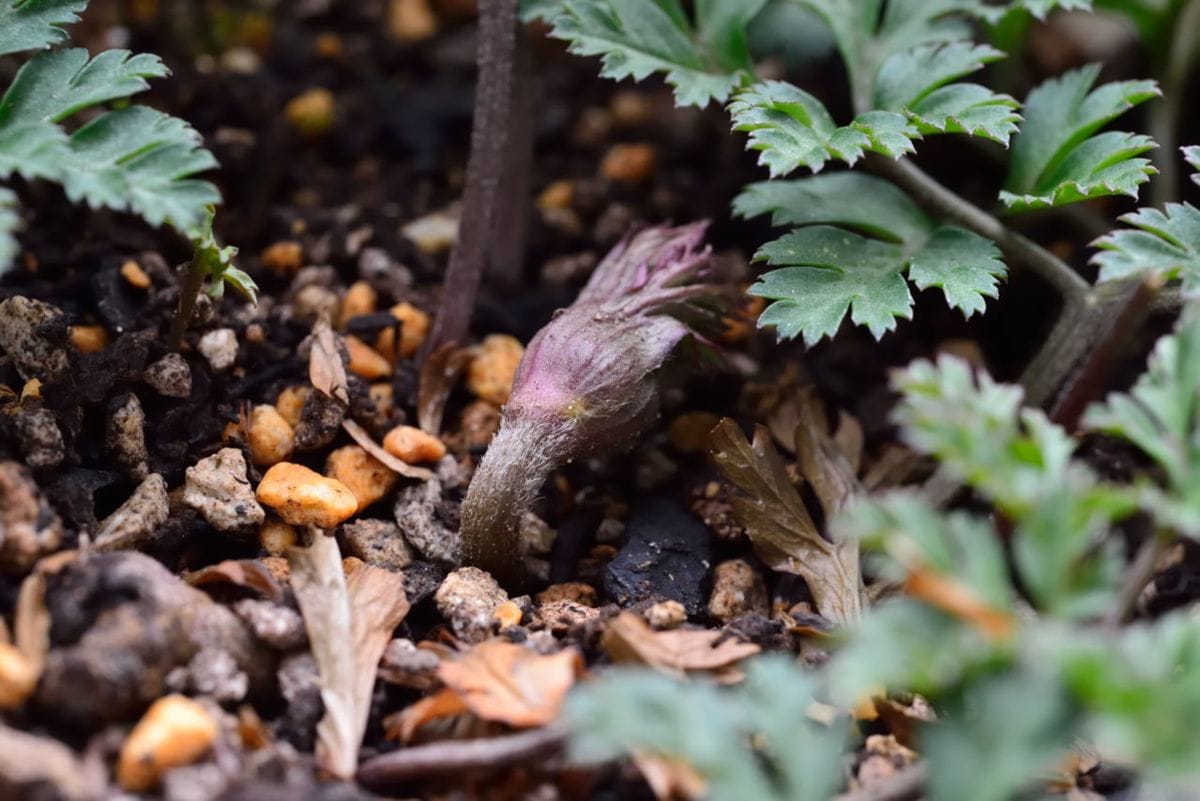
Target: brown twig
x,y
1141,573
907,785
454,756
188,295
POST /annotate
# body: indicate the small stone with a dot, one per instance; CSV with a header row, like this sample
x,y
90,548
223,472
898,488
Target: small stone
x,y
405,664
360,299
434,233
40,438
136,521
283,258
573,591
89,338
365,476
278,567
30,526
631,108
738,589
125,437
279,626
314,301
610,531
18,677
666,615
666,556
377,542
214,673
414,327
276,536
490,374
561,617
134,275
290,403
467,598
423,518
170,376
320,422
557,195
328,46
629,164
413,446
688,433
311,113
480,422
537,538
218,489
411,20
219,348
270,438
175,731
654,469
365,362
303,497
507,615
34,336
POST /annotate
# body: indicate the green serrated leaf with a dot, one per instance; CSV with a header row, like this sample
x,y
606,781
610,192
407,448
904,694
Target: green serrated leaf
x,y
141,160
967,108
1159,416
1192,156
704,59
900,240
1057,159
1165,243
10,223
54,85
32,150
34,24
964,265
831,271
910,75
545,10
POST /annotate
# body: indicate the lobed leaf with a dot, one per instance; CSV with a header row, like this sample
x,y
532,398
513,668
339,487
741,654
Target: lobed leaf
x,y
1165,243
56,84
34,24
141,160
32,150
830,272
10,223
704,58
1057,159
1192,156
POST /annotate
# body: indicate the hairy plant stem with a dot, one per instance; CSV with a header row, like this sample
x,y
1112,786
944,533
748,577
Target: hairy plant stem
x,y
188,294
490,140
1141,573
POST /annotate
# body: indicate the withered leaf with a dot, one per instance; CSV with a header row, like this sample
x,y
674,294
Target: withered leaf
x,y
325,368
360,435
958,600
779,526
349,623
670,779
438,376
404,724
31,622
823,462
248,573
630,639
508,683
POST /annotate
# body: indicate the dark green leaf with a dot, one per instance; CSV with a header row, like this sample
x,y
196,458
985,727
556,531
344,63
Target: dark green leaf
x,y
34,24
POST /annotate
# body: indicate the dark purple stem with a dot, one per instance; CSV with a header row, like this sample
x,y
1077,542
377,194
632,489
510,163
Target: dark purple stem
x,y
506,257
490,131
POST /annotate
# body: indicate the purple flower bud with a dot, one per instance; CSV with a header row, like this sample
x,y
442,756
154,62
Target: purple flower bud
x,y
588,381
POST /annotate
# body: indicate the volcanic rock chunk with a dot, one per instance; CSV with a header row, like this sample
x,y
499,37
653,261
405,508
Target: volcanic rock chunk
x,y
467,598
33,335
125,436
667,555
428,522
377,542
217,488
219,348
29,528
40,438
170,376
137,520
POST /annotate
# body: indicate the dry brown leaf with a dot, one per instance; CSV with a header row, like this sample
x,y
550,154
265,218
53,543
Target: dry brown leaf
x,y
825,466
31,622
508,683
958,600
404,724
438,376
349,623
325,369
780,527
630,639
670,779
248,573
360,435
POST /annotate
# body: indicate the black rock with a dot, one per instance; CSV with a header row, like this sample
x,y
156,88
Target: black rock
x,y
667,555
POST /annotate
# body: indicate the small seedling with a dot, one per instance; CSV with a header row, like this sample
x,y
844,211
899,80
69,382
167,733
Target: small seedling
x,y
213,264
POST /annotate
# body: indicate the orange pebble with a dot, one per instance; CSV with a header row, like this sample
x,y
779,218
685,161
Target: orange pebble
x,y
18,677
133,273
89,338
290,403
412,445
490,374
364,475
365,362
174,731
414,326
303,497
283,257
270,438
629,164
360,298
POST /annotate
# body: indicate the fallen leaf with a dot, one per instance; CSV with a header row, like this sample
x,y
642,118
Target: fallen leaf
x,y
958,600
404,724
439,374
31,621
827,468
360,435
670,778
630,639
349,622
780,527
248,573
508,683
325,369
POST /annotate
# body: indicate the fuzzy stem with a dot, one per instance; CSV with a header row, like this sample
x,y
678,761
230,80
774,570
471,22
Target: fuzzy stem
x,y
188,295
515,466
510,222
490,133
